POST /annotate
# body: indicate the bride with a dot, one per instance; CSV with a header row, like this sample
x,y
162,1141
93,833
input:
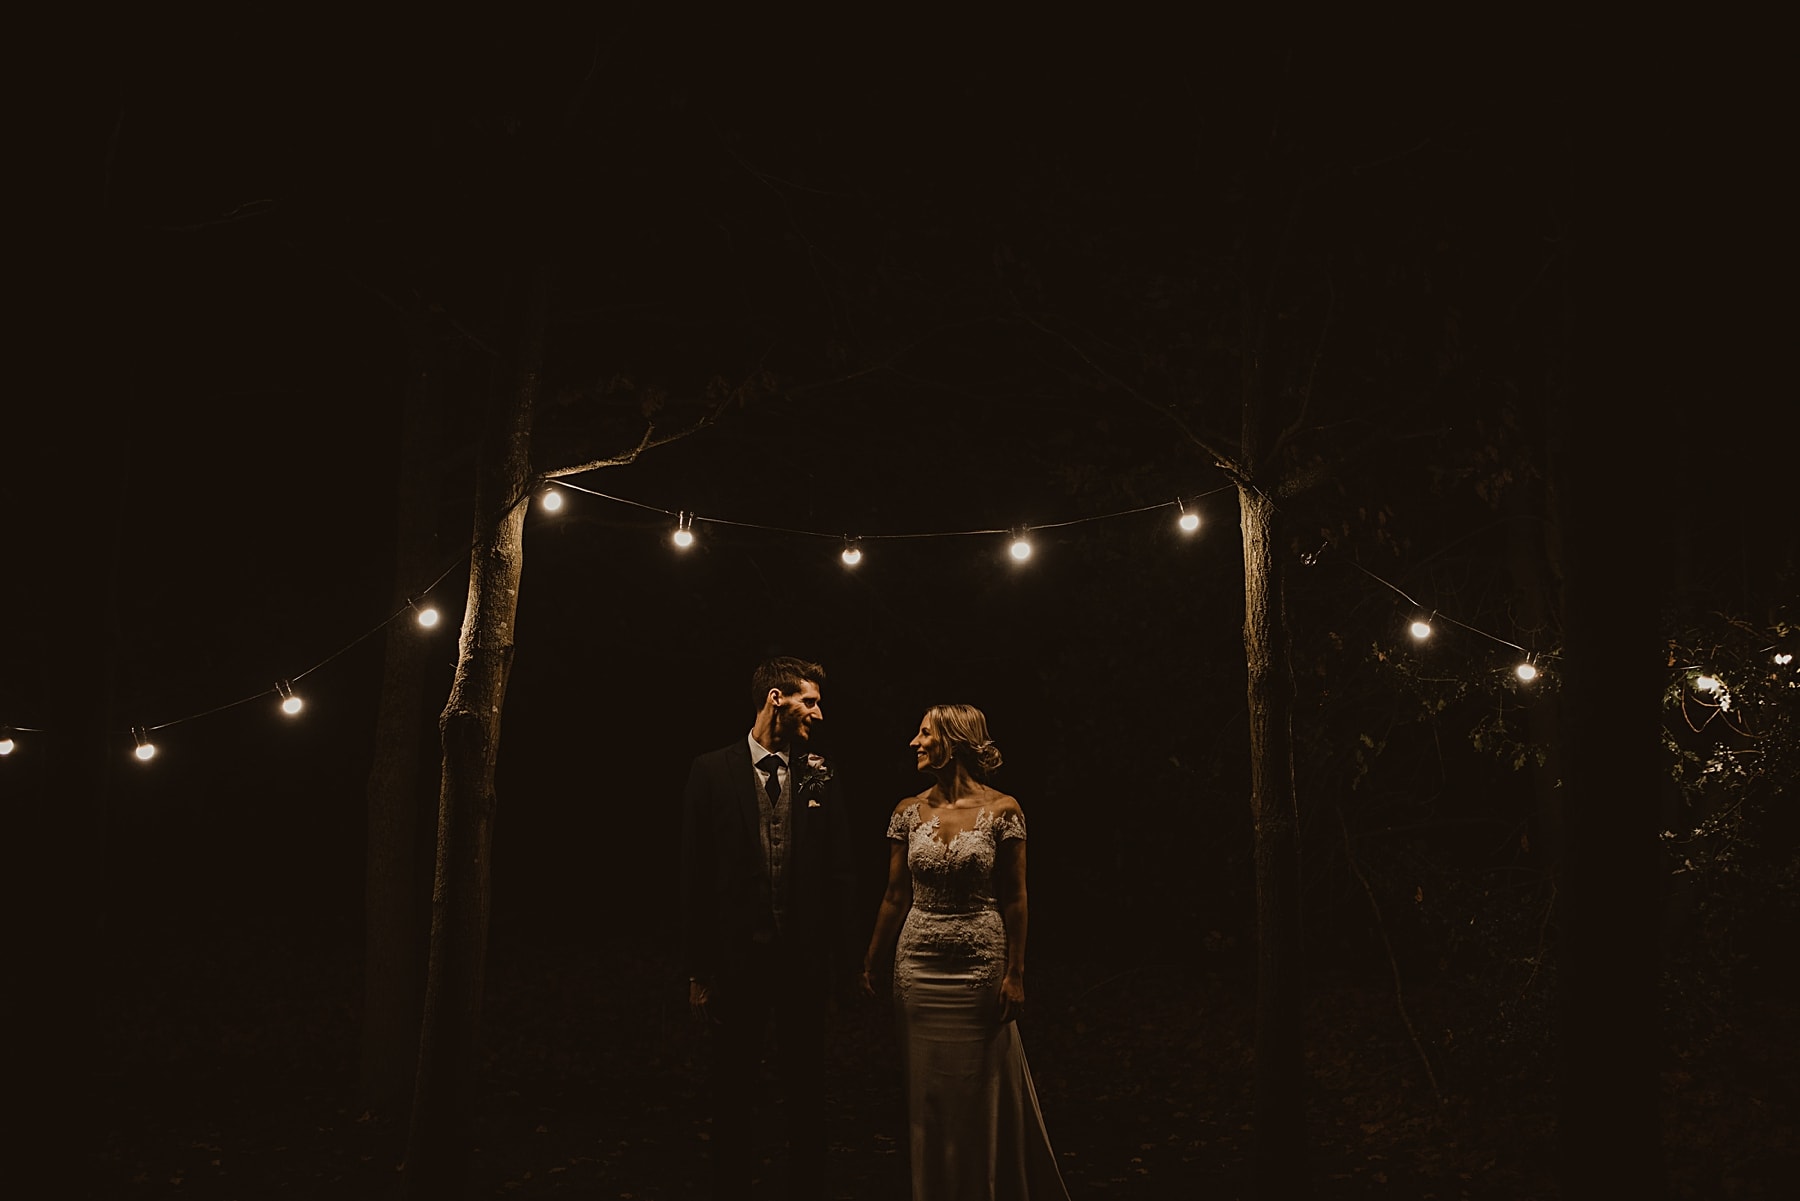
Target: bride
x,y
955,902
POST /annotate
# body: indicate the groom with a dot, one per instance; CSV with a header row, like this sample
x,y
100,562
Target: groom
x,y
766,915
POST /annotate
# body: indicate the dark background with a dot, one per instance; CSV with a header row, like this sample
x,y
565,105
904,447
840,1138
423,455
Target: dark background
x,y
869,227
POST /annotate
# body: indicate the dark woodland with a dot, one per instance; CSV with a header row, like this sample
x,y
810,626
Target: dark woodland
x,y
1463,327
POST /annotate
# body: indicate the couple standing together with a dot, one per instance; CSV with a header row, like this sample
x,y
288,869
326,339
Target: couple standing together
x,y
767,910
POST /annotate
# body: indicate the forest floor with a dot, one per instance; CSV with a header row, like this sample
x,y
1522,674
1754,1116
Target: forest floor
x,y
229,1075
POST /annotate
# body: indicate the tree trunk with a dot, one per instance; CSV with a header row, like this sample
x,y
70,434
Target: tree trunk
x,y
1533,552
438,1144
1610,1043
1279,1138
393,935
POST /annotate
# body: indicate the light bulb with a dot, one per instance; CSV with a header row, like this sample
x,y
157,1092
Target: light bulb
x,y
1021,545
852,554
1706,683
684,538
684,530
145,751
428,617
1526,672
1189,522
552,500
1783,659
7,744
290,704
1421,630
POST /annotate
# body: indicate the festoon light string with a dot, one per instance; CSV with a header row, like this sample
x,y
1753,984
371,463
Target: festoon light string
x,y
850,547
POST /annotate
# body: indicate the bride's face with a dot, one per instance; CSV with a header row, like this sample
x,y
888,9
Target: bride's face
x,y
929,751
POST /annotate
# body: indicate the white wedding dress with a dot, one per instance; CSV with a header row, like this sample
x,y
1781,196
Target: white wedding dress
x,y
976,1131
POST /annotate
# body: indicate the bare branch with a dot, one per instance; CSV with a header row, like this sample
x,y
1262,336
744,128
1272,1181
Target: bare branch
x,y
1312,373
650,440
1395,156
243,212
1222,460
1393,964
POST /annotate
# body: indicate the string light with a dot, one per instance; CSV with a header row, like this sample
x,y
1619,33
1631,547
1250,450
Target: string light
x,y
290,704
1188,522
1019,549
6,741
1783,659
1021,544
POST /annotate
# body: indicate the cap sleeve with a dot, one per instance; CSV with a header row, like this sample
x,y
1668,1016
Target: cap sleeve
x,y
902,824
1010,825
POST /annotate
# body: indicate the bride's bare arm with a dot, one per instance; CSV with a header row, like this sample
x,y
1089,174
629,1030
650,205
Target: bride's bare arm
x,y
1009,889
894,905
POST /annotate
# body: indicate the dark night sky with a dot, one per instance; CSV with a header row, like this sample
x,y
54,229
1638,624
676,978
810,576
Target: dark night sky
x,y
730,198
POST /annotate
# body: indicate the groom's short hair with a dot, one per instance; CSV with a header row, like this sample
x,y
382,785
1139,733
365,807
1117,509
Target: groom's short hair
x,y
784,672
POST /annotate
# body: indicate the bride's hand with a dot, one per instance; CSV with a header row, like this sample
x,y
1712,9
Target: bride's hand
x,y
867,981
1012,996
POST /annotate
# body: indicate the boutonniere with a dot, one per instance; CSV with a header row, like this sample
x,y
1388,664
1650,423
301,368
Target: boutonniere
x,y
812,781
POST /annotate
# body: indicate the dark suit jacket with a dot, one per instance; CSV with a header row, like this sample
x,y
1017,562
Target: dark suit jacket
x,y
722,869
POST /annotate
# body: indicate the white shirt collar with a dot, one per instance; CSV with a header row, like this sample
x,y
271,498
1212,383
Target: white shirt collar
x,y
759,752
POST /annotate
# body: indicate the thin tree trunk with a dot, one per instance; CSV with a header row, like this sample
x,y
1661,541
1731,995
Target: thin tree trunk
x,y
438,1145
1533,551
393,934
1608,949
1279,1138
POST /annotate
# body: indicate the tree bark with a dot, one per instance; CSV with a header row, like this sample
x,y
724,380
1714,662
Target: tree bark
x,y
1608,943
1279,1137
1533,553
1617,477
439,1141
393,934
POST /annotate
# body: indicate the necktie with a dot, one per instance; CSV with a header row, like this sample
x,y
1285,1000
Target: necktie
x,y
772,765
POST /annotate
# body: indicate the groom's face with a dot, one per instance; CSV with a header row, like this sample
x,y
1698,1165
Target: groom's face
x,y
798,712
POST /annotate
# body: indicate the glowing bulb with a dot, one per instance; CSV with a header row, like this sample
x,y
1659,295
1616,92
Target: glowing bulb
x,y
292,705
552,500
1526,672
1421,630
146,751
1706,683
7,744
428,617
1189,522
1783,659
1021,545
684,530
852,554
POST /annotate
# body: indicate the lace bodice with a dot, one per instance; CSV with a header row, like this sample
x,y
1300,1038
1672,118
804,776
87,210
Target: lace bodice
x,y
955,876
954,927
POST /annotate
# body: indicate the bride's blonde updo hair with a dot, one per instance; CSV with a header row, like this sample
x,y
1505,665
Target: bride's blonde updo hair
x,y
963,728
